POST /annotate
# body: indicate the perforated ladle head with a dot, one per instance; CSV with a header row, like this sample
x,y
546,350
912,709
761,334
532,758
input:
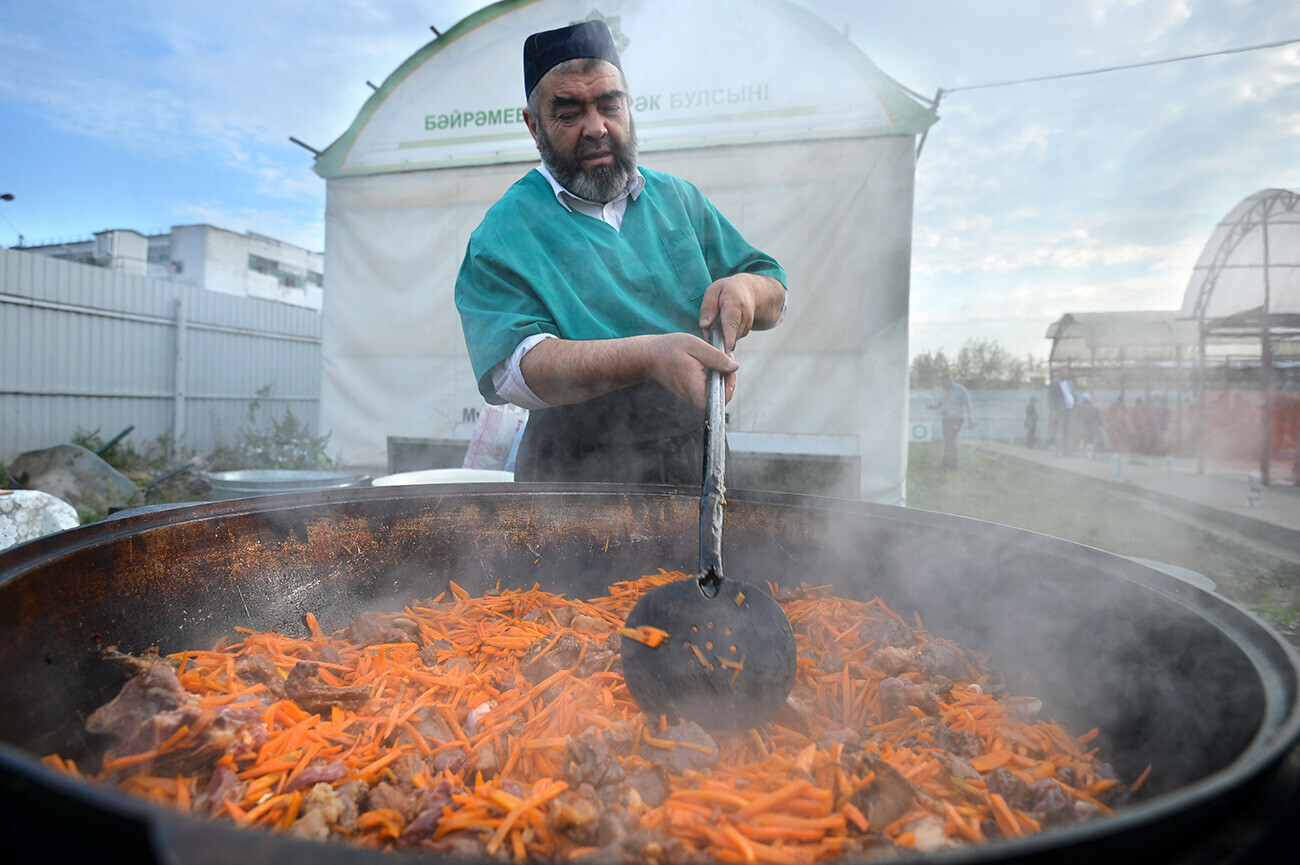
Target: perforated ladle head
x,y
728,660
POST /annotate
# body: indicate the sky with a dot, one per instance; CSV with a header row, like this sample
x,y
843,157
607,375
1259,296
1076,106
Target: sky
x,y
1093,192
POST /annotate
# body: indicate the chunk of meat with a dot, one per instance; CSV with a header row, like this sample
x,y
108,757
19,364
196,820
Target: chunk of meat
x,y
1008,785
589,759
886,798
547,657
960,743
321,808
223,786
887,632
897,694
796,715
1053,804
387,796
318,773
892,660
258,668
305,688
372,629
152,707
575,813
430,803
153,691
650,784
678,759
939,657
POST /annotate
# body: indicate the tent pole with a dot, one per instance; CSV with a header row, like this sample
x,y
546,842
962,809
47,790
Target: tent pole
x,y
1178,397
1266,369
934,106
1200,402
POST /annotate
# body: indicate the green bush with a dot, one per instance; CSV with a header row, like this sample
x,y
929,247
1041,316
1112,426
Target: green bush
x,y
268,442
158,455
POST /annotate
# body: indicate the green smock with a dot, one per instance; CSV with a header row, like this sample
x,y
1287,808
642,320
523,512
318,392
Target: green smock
x,y
532,267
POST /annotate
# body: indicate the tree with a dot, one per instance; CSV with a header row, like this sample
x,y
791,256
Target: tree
x,y
981,364
927,369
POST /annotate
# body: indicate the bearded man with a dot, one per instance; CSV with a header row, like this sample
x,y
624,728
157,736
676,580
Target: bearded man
x,y
585,290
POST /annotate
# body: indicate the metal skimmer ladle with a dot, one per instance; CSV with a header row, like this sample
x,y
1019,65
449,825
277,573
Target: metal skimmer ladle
x,y
728,661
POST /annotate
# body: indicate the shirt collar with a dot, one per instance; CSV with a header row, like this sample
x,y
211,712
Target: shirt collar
x,y
565,197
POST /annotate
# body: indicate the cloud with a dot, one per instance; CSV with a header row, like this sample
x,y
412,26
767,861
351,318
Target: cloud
x,y
1082,193
206,84
303,228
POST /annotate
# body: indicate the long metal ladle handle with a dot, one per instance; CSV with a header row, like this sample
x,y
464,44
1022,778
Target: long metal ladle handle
x,y
714,490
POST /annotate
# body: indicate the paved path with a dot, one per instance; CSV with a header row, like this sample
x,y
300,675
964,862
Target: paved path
x,y
1220,499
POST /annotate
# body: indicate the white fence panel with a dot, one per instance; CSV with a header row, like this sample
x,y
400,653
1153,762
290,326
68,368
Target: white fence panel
x,y
84,348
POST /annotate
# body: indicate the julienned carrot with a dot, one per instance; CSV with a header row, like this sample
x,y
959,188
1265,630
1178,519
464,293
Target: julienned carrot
x,y
647,634
853,814
1004,816
116,764
992,760
741,843
541,797
783,794
768,800
670,744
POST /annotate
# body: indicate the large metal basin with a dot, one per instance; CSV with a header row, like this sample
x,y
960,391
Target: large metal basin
x,y
1173,674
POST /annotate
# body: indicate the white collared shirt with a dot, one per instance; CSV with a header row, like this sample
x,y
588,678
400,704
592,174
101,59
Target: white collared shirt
x,y
611,212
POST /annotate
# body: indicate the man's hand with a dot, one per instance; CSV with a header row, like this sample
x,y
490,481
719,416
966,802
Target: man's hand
x,y
562,371
743,302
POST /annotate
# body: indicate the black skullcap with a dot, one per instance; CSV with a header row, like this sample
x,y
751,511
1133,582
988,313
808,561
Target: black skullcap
x,y
546,50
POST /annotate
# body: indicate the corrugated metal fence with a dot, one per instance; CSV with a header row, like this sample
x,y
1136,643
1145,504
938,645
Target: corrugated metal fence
x,y
89,349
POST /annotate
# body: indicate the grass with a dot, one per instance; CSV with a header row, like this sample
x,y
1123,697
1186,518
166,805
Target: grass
x,y
1087,512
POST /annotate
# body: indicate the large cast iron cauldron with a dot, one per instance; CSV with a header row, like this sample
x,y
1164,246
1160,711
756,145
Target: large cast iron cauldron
x,y
1173,675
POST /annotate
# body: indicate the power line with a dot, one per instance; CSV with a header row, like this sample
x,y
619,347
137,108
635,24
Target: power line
x,y
939,94
1123,66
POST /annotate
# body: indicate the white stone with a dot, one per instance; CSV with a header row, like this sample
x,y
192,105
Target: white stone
x,y
29,514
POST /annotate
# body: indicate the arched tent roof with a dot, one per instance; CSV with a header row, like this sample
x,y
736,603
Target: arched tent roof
x,y
459,100
796,137
1248,275
1118,337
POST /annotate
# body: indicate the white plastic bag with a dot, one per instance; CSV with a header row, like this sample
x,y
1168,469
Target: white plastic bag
x,y
497,428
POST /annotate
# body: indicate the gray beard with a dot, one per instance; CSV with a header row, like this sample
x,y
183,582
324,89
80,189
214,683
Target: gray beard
x,y
603,183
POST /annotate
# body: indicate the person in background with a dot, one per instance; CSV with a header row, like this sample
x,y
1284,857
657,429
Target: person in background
x,y
1119,426
1140,417
1089,422
584,292
1060,402
1031,423
956,410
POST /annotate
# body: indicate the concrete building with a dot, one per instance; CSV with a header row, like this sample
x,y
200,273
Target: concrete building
x,y
249,265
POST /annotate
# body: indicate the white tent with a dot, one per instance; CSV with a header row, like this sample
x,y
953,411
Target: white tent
x,y
791,131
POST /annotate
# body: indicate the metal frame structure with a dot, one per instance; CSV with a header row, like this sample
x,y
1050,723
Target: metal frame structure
x,y
1275,332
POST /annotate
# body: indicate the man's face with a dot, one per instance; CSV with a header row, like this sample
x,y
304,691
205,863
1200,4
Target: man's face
x,y
584,130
